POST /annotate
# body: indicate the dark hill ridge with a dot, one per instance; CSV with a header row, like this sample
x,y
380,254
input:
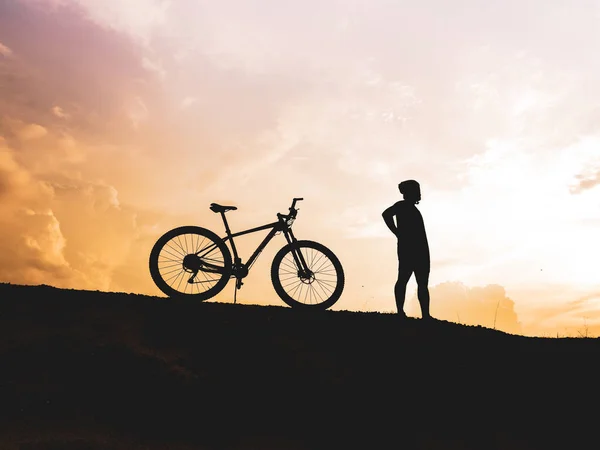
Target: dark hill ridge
x,y
96,370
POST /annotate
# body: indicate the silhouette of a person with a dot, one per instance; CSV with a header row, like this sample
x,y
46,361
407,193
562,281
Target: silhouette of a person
x,y
413,248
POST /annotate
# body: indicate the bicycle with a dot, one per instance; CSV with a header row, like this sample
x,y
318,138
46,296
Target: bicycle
x,y
204,258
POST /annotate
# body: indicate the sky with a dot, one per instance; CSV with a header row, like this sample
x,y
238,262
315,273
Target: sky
x,y
122,120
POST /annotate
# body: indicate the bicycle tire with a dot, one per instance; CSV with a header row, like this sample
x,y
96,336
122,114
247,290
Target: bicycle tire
x,y
170,258
281,264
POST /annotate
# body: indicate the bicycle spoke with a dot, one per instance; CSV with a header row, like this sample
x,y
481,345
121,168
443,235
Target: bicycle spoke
x,y
177,242
206,280
172,264
175,253
179,277
290,264
320,283
173,277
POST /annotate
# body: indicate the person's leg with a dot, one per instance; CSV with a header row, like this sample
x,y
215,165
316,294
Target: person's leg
x,y
404,273
422,277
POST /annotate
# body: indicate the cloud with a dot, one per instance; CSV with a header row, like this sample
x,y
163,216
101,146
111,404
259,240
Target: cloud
x,y
92,72
573,317
59,228
5,51
154,66
137,18
188,101
586,181
31,131
32,242
59,112
488,306
138,112
88,89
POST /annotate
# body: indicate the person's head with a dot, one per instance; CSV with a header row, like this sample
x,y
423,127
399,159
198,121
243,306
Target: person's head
x,y
411,191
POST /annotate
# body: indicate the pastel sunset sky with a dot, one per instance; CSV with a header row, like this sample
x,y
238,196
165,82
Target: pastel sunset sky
x,y
120,120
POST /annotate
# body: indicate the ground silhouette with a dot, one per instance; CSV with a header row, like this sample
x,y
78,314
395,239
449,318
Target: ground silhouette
x,y
96,370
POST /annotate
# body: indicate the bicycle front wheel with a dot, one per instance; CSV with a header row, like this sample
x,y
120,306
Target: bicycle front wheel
x,y
317,286
190,262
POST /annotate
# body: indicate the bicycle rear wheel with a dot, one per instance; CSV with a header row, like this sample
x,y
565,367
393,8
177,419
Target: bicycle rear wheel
x,y
190,262
319,288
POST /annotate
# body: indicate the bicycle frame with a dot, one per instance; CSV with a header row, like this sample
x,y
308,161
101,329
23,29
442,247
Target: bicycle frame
x,y
280,225
276,227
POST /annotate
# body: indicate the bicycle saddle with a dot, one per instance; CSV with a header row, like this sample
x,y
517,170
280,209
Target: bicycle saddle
x,y
215,207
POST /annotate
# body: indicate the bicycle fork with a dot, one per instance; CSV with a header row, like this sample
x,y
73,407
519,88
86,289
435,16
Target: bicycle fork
x,y
304,271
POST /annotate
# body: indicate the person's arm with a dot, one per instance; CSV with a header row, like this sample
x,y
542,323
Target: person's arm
x,y
388,218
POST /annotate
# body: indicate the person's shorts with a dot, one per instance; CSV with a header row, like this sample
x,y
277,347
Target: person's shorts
x,y
412,264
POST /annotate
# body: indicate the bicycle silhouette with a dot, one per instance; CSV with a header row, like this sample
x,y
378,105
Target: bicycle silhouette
x,y
194,262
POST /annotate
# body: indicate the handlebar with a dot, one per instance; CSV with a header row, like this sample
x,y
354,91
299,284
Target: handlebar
x,y
294,202
293,210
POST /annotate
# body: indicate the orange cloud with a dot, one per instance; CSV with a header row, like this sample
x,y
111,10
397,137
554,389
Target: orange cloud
x,y
59,112
58,228
32,242
587,180
574,318
488,306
